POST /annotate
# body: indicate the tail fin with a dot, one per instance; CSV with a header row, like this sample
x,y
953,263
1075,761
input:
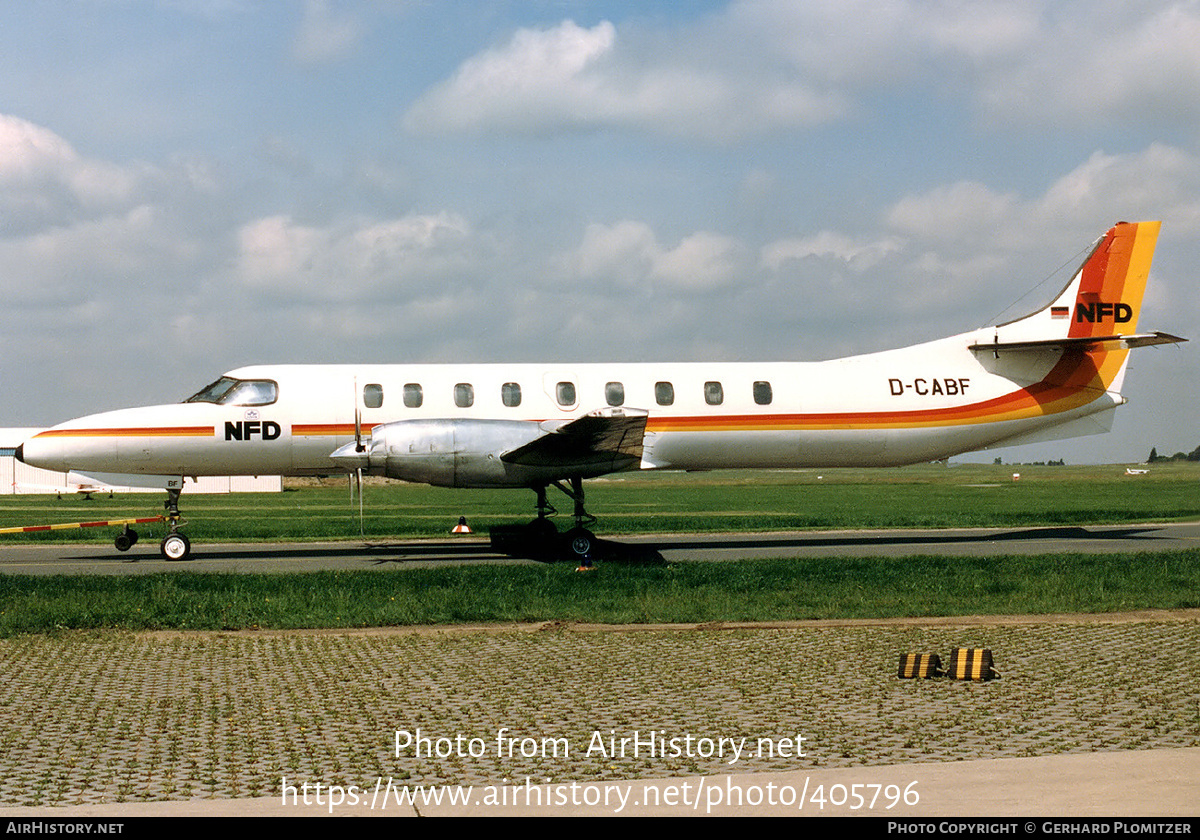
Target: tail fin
x,y
1098,310
1091,324
1103,299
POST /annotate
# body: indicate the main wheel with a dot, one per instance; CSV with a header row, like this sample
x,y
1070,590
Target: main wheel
x,y
541,529
580,543
175,547
541,540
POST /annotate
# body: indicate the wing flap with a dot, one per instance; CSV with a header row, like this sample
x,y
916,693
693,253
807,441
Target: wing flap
x,y
609,439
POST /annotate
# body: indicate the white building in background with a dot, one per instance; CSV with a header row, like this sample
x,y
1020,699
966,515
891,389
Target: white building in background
x,y
16,477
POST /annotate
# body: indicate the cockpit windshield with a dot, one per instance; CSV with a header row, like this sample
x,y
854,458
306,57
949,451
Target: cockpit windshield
x,y
230,391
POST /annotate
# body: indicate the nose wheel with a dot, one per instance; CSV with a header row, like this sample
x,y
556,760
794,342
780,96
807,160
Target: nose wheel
x,y
175,546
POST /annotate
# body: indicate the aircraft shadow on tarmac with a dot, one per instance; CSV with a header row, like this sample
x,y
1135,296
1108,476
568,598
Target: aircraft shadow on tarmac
x,y
650,551
857,539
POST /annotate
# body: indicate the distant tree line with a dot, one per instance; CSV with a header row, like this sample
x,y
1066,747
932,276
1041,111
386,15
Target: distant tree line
x,y
1059,463
1194,455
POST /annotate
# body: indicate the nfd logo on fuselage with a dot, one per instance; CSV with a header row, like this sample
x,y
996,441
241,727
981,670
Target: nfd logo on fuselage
x,y
251,429
1121,313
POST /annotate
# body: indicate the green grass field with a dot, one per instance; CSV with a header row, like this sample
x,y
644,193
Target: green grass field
x,y
750,590
925,496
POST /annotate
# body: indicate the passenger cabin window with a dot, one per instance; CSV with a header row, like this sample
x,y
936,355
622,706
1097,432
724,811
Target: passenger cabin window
x,y
565,392
664,393
230,391
373,396
464,395
614,393
762,393
413,396
510,394
714,394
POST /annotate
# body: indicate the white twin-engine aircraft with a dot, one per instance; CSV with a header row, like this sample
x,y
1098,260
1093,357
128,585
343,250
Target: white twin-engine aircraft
x,y
1056,373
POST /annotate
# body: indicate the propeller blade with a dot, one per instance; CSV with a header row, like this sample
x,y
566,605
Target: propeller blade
x,y
358,444
358,475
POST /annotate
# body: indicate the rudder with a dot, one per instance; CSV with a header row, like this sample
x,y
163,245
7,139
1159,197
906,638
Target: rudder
x,y
1104,296
1112,281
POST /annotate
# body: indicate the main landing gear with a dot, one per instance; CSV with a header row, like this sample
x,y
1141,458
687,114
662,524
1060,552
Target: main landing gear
x,y
541,540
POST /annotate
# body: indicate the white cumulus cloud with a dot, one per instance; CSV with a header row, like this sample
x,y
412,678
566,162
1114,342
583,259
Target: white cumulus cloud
x,y
349,262
323,34
629,254
43,180
858,254
570,76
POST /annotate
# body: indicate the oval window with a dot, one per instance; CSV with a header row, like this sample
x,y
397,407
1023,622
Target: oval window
x,y
664,393
762,393
565,391
464,395
510,394
614,393
413,396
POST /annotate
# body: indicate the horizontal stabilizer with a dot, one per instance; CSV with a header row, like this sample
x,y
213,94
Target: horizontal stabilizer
x,y
1083,342
609,435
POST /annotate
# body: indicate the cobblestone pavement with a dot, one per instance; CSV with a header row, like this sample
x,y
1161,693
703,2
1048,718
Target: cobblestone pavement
x,y
130,717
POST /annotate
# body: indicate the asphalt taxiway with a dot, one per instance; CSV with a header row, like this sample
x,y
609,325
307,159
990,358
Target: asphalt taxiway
x,y
145,558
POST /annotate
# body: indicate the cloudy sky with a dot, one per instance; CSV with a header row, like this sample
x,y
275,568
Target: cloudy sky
x,y
186,187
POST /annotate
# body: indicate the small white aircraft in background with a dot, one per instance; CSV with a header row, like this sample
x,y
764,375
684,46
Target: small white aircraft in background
x,y
1055,373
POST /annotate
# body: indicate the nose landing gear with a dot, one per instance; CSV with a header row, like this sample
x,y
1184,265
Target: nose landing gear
x,y
175,546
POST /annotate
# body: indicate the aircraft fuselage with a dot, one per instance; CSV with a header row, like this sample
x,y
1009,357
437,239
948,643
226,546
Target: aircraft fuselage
x,y
917,404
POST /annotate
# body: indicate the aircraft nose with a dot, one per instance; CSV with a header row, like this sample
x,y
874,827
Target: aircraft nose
x,y
42,453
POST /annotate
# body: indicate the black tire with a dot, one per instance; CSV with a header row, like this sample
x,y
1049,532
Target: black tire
x,y
580,543
175,547
541,531
125,540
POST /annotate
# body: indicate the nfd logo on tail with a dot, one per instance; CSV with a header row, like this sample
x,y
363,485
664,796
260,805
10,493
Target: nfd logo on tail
x,y
1093,313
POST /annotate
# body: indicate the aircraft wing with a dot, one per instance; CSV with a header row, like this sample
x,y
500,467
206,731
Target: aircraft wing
x,y
610,435
1083,342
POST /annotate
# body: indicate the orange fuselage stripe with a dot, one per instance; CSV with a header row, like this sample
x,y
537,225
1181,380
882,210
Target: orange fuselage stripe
x,y
154,431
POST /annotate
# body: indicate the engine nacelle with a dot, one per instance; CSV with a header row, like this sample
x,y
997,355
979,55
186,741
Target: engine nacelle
x,y
453,453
